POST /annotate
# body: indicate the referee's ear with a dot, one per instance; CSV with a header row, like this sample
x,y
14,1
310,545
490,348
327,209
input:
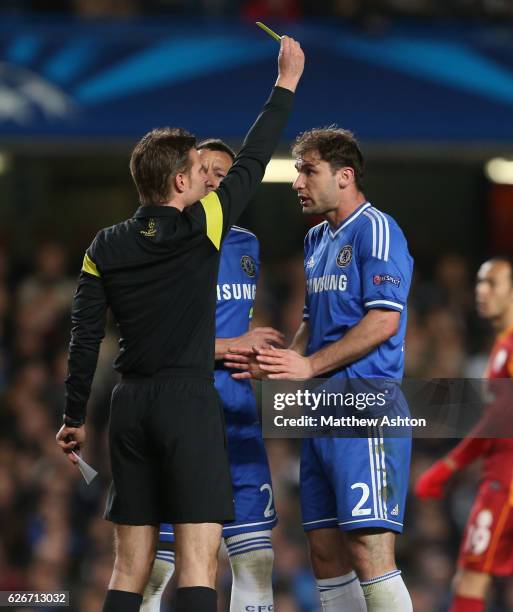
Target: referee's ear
x,y
179,183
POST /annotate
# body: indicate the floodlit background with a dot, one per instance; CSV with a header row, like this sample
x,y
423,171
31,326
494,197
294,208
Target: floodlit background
x,y
427,86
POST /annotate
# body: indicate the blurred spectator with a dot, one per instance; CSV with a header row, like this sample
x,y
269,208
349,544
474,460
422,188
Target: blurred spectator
x,y
265,10
42,301
110,8
366,10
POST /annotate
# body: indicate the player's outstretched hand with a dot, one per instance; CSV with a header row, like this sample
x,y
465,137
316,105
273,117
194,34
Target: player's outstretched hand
x,y
260,336
284,364
241,354
244,361
70,439
291,63
432,482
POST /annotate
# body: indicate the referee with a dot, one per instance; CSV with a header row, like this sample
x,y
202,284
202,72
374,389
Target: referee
x,y
157,272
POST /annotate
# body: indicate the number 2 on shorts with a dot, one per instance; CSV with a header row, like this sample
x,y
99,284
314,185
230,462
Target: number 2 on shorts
x,y
269,510
358,510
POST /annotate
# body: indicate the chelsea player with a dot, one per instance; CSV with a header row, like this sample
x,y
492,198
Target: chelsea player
x,y
248,538
358,272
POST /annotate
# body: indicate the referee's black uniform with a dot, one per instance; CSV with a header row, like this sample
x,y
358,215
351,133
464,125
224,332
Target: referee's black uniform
x,y
157,272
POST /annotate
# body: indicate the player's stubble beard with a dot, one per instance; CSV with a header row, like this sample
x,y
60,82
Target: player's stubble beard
x,y
319,209
325,202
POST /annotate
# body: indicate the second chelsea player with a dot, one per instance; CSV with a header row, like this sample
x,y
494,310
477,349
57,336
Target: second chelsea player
x,y
248,538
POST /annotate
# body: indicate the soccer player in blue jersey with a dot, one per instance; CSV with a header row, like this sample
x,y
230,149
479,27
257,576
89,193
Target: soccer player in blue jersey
x,y
248,538
358,272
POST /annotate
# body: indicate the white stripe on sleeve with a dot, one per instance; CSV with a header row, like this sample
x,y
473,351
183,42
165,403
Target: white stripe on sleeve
x,y
369,216
387,233
384,303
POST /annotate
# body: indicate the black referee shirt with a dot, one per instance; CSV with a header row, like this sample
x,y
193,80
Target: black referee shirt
x,y
158,271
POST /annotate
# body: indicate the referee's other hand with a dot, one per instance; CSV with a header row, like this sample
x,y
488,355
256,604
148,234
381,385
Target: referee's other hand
x,y
70,439
291,62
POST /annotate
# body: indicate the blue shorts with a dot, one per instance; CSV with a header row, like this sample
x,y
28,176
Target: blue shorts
x,y
252,487
354,483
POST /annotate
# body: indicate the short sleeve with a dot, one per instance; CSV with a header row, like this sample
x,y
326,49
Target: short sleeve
x,y
385,264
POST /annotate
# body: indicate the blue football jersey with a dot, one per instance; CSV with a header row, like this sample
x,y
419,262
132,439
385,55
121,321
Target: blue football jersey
x,y
236,288
362,264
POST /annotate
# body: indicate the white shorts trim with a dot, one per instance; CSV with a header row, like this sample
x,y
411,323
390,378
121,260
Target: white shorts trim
x,y
273,520
367,520
239,526
326,520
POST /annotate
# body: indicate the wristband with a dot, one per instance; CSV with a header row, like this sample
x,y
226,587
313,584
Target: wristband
x,y
70,422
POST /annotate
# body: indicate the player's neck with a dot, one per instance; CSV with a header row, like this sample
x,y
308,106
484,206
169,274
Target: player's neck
x,y
345,209
504,322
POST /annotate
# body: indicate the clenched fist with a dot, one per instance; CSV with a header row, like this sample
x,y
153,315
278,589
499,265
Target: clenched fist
x,y
291,62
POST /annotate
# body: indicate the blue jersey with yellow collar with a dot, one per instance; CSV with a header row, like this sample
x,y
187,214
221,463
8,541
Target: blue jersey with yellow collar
x,y
236,288
362,264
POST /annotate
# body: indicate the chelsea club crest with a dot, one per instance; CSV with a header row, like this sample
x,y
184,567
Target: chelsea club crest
x,y
344,256
247,263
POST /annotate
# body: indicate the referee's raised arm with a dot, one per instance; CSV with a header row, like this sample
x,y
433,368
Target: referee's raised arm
x,y
248,169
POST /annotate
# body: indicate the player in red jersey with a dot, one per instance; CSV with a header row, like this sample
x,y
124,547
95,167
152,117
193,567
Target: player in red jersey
x,y
487,547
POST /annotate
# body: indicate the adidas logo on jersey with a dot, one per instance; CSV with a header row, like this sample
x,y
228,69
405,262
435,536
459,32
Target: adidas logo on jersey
x,y
395,511
310,263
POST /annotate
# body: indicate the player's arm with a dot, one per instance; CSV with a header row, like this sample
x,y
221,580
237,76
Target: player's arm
x,y
254,337
222,207
495,420
299,343
245,359
301,337
300,340
88,317
375,327
432,482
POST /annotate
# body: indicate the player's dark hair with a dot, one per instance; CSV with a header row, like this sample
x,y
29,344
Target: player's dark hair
x,y
156,159
507,259
336,146
216,144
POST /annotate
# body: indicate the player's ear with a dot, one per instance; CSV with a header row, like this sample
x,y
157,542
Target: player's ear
x,y
345,177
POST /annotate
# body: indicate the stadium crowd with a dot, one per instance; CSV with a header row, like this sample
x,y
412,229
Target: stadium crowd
x,y
271,9
53,536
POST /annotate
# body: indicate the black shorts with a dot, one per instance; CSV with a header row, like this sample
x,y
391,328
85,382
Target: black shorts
x,y
168,453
